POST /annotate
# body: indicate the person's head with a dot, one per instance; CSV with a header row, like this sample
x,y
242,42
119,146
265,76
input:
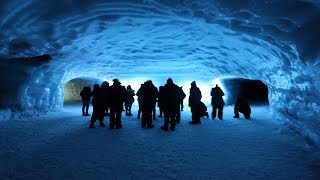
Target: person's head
x,y
217,85
128,87
149,83
104,84
169,81
95,86
116,82
193,84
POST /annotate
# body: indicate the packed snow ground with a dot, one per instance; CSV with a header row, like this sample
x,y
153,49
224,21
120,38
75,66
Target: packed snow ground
x,y
61,146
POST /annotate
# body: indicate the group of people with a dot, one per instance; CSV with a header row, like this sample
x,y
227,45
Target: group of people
x,y
169,98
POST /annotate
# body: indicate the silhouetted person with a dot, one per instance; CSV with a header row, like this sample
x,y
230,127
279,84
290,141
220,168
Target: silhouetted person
x,y
86,98
242,106
98,103
129,100
204,110
181,95
194,103
155,89
217,102
182,98
160,101
117,98
139,104
171,104
106,94
148,96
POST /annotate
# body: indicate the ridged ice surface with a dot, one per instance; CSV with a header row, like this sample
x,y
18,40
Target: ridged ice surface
x,y
61,146
273,41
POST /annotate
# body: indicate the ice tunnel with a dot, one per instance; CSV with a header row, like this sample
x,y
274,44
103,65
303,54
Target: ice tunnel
x,y
276,42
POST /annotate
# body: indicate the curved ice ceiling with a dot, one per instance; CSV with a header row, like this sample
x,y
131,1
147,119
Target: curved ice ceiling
x,y
276,41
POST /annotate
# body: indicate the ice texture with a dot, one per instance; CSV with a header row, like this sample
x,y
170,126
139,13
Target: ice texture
x,y
276,42
61,146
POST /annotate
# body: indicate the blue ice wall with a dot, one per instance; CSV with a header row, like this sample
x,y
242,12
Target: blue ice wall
x,y
276,42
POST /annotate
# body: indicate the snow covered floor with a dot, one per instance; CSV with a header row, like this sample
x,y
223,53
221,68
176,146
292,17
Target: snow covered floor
x,y
61,146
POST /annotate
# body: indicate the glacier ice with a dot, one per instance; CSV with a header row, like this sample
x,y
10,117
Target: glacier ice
x,y
276,42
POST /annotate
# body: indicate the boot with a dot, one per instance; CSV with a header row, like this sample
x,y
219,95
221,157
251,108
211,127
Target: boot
x,y
207,114
119,126
164,128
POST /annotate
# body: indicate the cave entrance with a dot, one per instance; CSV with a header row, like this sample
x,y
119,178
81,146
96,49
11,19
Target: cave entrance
x,y
73,88
255,91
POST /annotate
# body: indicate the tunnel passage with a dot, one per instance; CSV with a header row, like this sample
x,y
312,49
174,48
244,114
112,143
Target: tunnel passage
x,y
73,88
255,91
200,40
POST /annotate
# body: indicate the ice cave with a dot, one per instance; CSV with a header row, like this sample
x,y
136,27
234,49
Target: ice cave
x,y
269,49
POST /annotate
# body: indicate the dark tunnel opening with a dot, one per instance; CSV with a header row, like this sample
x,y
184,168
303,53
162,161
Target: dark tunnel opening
x,y
255,91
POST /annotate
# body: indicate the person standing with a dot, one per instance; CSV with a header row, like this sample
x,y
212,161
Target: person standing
x,y
183,95
86,98
160,101
195,103
105,90
154,101
217,102
129,100
148,95
117,98
171,102
98,103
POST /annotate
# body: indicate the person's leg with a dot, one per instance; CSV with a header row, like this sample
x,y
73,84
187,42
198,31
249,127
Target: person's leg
x,y
129,109
83,107
94,117
166,121
197,117
154,111
118,119
177,115
107,109
101,116
112,117
149,118
160,111
220,113
194,114
143,118
126,108
181,103
172,120
87,108
214,112
139,110
236,112
245,113
206,114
